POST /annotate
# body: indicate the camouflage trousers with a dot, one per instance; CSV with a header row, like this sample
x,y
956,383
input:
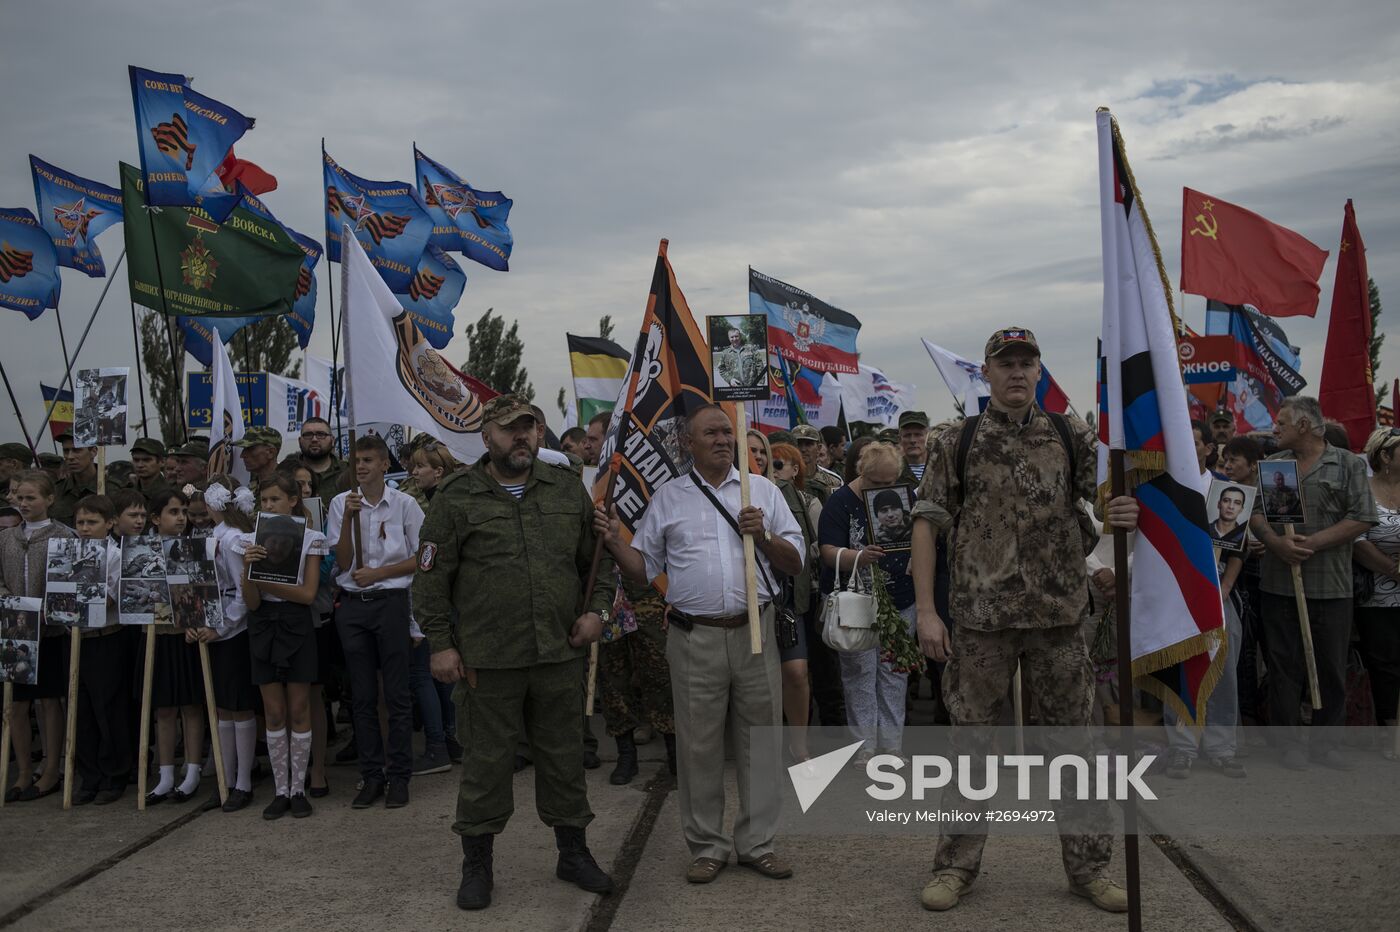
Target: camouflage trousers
x,y
634,680
1058,675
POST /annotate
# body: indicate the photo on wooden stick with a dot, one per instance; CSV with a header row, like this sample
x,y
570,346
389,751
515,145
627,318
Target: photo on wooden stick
x,y
738,356
99,415
1228,507
888,516
281,536
1282,492
19,641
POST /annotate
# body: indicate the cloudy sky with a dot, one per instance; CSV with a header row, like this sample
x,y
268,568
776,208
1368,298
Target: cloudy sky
x,y
929,167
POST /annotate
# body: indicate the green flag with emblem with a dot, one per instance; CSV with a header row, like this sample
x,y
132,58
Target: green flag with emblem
x,y
246,266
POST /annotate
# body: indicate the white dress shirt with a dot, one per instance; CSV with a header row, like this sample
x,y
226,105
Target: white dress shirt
x,y
230,571
389,534
684,536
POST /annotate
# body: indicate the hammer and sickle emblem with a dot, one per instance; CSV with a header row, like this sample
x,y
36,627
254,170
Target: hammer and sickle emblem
x,y
1209,226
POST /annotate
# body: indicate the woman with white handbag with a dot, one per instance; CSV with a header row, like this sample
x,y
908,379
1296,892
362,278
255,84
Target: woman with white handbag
x,y
875,693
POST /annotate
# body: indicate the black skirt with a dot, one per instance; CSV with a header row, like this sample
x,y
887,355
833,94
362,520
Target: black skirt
x,y
282,643
231,668
177,679
52,682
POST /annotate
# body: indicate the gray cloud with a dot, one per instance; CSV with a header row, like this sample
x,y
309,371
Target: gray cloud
x,y
929,167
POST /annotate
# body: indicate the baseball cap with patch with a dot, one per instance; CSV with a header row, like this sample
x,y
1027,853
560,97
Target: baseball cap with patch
x,y
912,419
16,451
504,410
1222,415
150,446
256,435
195,449
806,432
1008,337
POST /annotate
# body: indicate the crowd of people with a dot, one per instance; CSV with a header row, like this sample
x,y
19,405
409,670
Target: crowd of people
x,y
462,600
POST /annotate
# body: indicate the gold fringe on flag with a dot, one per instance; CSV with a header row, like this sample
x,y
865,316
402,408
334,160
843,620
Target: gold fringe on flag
x,y
1146,665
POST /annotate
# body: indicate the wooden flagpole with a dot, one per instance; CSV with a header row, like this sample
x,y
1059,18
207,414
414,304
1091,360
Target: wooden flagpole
x,y
750,560
5,742
1301,599
143,749
70,741
215,742
1123,611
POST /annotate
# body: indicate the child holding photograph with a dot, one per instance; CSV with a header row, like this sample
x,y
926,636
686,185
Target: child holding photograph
x,y
103,740
178,684
23,559
282,647
230,663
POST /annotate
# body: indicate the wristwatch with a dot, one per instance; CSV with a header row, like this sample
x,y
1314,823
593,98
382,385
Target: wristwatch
x,y
605,616
767,536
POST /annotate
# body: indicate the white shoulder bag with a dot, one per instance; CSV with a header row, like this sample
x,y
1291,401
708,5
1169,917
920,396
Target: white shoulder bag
x,y
848,615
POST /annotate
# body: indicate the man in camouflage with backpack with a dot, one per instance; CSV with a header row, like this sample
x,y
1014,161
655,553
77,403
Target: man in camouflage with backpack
x,y
1008,484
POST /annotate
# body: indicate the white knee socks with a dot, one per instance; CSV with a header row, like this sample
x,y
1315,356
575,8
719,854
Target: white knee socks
x,y
277,756
301,757
246,738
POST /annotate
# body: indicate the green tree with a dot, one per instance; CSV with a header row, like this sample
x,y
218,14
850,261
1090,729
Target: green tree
x,y
266,346
605,326
562,402
493,355
1377,338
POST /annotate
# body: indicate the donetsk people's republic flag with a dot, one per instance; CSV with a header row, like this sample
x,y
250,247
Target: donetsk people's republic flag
x,y
1177,617
803,329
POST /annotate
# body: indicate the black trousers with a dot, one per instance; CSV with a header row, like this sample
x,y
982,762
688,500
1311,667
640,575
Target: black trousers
x,y
374,636
1330,622
102,754
1380,652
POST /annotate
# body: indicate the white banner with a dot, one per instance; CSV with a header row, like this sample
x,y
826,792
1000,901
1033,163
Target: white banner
x,y
871,397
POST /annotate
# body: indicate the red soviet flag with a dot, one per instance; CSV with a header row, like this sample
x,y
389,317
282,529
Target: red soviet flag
x,y
234,170
1236,256
1346,392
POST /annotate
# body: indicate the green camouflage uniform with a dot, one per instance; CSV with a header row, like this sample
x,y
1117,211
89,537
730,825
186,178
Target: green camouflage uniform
x,y
499,581
1019,593
68,491
634,680
744,365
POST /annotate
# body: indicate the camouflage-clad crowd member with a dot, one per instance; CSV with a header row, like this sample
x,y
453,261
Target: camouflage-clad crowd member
x,y
14,459
259,448
821,481
147,455
1019,593
317,445
634,682
79,482
506,548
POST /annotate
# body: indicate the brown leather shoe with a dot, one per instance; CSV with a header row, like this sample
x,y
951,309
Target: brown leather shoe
x,y
770,866
704,870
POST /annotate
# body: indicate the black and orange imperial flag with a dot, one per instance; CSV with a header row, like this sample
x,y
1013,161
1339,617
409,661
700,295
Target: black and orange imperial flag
x,y
246,266
668,378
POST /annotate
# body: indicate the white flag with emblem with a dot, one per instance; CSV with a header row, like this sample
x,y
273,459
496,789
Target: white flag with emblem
x,y
392,373
226,417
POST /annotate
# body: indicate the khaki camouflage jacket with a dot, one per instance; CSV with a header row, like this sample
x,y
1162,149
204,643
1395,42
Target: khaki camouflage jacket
x,y
513,571
1017,553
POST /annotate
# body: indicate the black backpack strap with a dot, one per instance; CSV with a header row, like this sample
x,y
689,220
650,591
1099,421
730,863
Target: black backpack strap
x,y
1062,428
965,435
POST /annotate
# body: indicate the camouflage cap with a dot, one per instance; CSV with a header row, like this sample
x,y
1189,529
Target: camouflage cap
x,y
50,461
195,449
66,434
1008,337
16,451
888,435
1222,415
256,435
150,446
806,432
912,419
779,436
506,409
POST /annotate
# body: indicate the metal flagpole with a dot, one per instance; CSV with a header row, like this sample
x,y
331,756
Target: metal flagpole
x,y
63,342
27,442
337,385
169,336
68,378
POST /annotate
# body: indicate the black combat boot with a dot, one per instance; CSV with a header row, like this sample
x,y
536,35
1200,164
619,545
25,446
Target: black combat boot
x,y
626,767
477,878
576,863
670,753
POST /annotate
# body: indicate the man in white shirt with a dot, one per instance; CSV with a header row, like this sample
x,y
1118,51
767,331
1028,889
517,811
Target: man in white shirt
x,y
373,618
715,677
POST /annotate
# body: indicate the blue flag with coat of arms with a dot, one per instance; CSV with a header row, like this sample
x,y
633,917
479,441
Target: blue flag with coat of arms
x,y
74,210
28,263
387,218
465,220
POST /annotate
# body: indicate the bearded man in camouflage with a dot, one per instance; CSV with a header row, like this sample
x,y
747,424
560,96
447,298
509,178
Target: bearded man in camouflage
x,y
1009,482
